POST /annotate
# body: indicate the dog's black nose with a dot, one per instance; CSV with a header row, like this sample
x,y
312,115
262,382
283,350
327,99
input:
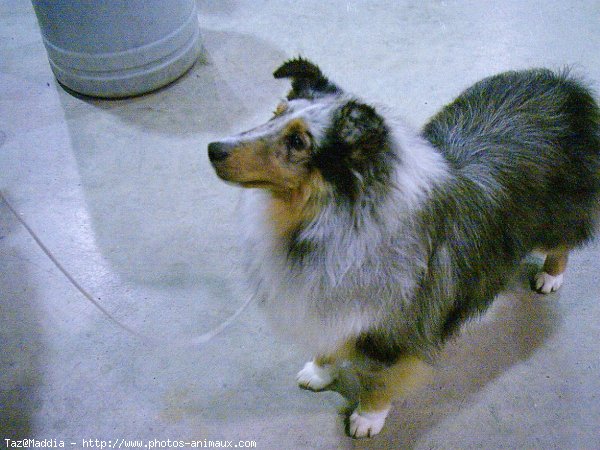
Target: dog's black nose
x,y
218,151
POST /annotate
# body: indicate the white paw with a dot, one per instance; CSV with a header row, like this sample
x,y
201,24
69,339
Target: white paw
x,y
315,377
367,424
546,283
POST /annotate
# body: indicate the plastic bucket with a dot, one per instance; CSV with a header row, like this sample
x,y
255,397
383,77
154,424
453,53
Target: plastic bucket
x,y
118,48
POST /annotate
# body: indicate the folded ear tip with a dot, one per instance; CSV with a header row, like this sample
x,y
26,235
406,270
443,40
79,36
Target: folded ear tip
x,y
307,79
298,67
279,73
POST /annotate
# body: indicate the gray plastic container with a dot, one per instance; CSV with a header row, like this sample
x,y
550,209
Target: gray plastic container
x,y
118,48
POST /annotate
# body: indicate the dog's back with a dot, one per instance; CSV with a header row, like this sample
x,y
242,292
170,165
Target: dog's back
x,y
525,149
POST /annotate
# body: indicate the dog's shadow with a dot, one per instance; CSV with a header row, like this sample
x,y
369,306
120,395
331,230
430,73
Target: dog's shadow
x,y
517,324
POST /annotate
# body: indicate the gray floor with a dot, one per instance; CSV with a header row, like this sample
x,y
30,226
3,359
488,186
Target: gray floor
x,y
122,194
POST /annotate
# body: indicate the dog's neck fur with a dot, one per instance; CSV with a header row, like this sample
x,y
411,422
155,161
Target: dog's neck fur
x,y
292,210
311,220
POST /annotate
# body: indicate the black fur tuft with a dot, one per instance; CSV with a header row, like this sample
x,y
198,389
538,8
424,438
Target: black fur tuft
x,y
355,153
307,79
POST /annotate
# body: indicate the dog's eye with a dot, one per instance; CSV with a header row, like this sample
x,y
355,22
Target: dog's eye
x,y
295,142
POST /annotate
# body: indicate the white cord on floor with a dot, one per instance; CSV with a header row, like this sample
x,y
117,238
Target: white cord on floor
x,y
202,339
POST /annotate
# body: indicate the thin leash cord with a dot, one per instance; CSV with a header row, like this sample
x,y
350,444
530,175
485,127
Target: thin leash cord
x,y
201,339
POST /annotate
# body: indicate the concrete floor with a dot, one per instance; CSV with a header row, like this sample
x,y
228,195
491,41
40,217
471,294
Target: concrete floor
x,y
122,194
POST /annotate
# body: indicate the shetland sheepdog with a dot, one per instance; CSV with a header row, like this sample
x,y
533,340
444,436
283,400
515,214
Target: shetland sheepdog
x,y
372,243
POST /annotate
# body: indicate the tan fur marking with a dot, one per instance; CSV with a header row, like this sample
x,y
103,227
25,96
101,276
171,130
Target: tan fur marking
x,y
267,163
297,125
556,261
392,382
248,161
289,210
380,387
281,108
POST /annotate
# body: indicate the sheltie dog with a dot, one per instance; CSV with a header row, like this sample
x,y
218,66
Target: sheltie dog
x,y
373,243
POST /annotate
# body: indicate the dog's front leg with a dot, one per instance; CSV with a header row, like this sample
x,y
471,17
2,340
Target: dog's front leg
x,y
319,373
316,375
379,387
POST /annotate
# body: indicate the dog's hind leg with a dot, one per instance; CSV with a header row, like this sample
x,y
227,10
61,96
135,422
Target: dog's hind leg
x,y
319,373
550,278
378,389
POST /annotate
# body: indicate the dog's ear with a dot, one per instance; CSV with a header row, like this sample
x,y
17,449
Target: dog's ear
x,y
355,150
307,79
360,129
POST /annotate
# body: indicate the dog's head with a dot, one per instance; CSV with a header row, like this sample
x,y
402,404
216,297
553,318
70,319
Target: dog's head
x,y
319,132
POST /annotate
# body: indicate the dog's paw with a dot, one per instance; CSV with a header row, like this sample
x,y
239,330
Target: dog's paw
x,y
314,377
366,424
546,283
